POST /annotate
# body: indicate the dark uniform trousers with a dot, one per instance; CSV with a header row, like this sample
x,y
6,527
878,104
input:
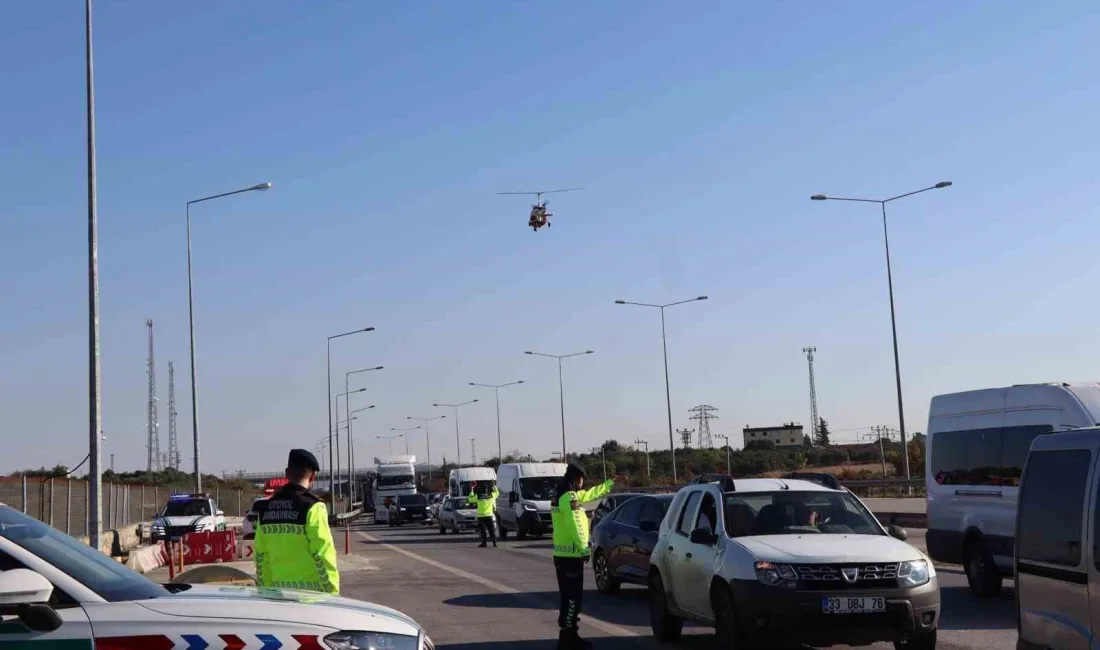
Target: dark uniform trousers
x,y
485,526
571,585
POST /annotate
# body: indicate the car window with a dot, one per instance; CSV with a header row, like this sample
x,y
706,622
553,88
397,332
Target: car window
x,y
687,513
103,575
707,519
629,513
652,511
993,456
187,508
797,512
1051,504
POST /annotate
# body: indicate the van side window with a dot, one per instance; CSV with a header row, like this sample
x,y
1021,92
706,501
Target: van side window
x,y
993,456
1051,505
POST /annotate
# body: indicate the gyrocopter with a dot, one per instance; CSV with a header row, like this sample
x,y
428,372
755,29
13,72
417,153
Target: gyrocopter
x,y
539,216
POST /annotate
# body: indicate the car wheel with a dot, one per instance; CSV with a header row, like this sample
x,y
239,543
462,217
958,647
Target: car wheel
x,y
521,532
503,532
666,627
726,627
605,582
981,573
441,528
923,641
454,528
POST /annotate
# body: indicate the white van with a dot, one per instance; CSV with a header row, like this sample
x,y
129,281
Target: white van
x,y
1057,532
525,492
458,485
977,443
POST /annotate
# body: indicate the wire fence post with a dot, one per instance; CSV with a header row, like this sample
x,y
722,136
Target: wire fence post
x,y
156,499
51,503
126,503
87,506
217,493
238,502
68,506
24,494
142,516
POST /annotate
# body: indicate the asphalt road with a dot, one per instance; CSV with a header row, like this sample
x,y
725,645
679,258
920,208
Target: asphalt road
x,y
471,598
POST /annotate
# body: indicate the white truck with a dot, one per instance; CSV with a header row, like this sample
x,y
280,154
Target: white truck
x,y
458,485
393,476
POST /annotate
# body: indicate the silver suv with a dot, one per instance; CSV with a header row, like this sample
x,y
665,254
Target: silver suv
x,y
788,561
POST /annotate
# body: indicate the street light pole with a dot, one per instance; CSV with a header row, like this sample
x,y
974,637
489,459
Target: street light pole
x,y
328,404
890,284
458,440
561,390
347,414
664,348
496,389
95,413
191,319
727,439
338,464
389,440
427,437
646,443
405,431
351,448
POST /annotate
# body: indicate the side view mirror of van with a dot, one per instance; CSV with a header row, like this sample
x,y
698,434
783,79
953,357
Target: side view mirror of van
x,y
897,532
512,497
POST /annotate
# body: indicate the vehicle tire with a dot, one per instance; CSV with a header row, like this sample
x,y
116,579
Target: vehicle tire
x,y
666,627
605,582
923,641
503,532
521,531
454,528
441,528
981,573
726,626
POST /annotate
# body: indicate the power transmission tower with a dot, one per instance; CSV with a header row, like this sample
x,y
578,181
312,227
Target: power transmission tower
x,y
152,462
173,441
814,422
704,414
685,437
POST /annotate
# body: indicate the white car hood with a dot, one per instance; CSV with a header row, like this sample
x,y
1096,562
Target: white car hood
x,y
817,548
307,608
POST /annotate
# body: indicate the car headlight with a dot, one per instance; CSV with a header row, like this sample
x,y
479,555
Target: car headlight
x,y
401,509
371,641
776,575
529,508
913,574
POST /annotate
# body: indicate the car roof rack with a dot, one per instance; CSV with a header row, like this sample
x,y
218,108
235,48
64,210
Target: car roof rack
x,y
725,480
822,479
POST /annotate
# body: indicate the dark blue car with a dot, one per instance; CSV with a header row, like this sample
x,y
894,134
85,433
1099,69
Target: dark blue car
x,y
624,539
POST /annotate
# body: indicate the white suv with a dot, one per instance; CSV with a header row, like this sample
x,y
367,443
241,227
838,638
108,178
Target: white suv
x,y
788,560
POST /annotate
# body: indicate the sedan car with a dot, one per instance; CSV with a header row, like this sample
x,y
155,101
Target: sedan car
x,y
58,592
409,508
457,515
609,503
624,540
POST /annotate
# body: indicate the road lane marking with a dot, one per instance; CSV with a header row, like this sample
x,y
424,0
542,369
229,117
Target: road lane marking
x,y
610,628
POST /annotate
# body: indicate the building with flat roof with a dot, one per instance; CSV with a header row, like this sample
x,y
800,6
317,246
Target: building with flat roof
x,y
787,435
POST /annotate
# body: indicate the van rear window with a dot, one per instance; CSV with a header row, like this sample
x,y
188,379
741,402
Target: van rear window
x,y
1051,504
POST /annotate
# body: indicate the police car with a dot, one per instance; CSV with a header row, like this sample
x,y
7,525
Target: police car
x,y
187,513
58,593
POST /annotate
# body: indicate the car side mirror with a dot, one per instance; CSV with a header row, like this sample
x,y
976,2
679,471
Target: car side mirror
x,y
220,513
897,532
24,587
649,527
703,536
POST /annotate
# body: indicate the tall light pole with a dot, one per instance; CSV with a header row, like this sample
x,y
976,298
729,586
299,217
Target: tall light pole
x,y
346,397
458,441
389,440
427,437
664,346
496,389
347,414
890,284
403,432
351,448
95,413
561,389
639,441
727,439
473,452
328,402
191,316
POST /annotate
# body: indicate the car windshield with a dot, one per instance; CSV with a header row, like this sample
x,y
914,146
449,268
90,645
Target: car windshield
x,y
105,576
412,500
191,508
791,512
538,488
395,480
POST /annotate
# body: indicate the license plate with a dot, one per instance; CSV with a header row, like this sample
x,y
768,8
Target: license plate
x,y
852,604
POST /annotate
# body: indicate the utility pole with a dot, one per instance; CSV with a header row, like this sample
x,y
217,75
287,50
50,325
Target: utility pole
x,y
814,421
152,426
643,442
473,452
876,434
685,437
727,439
173,440
112,462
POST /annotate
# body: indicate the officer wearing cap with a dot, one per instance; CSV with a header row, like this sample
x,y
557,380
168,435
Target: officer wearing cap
x,y
293,544
571,549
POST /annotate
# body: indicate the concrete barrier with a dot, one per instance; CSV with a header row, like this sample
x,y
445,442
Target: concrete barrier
x,y
147,558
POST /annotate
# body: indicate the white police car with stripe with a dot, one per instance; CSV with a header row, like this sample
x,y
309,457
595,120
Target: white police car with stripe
x,y
58,593
187,513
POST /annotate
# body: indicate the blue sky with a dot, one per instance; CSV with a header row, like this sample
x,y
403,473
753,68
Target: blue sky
x,y
387,129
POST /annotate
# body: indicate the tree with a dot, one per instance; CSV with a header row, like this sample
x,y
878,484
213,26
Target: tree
x,y
821,437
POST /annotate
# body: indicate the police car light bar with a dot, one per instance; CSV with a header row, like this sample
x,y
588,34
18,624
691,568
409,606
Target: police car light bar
x,y
182,496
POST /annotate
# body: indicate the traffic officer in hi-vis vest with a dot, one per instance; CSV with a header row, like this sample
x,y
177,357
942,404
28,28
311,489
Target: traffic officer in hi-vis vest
x,y
571,549
485,498
293,544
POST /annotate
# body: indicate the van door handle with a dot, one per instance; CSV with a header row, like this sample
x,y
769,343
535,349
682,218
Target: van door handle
x,y
687,556
669,548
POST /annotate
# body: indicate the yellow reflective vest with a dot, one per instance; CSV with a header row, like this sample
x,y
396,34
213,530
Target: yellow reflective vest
x,y
570,520
293,544
484,506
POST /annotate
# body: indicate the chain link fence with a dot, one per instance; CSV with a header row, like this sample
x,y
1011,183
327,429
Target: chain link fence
x,y
63,503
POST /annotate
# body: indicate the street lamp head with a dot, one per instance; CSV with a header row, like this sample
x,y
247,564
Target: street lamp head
x,y
701,298
620,302
367,329
433,404
943,184
473,384
262,187
520,381
818,197
475,400
359,391
528,352
378,367
589,351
